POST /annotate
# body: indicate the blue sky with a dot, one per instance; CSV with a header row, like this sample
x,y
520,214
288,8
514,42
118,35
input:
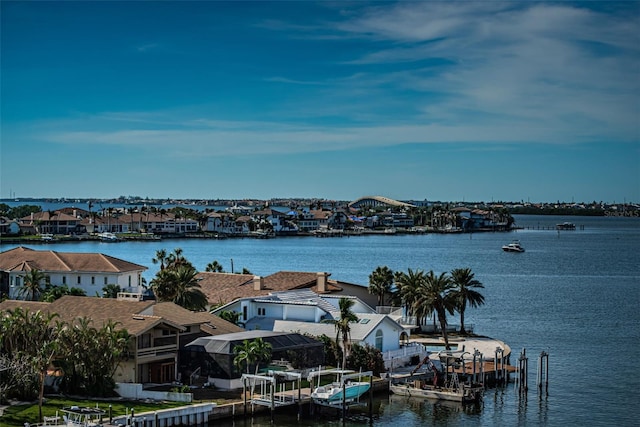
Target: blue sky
x,y
473,101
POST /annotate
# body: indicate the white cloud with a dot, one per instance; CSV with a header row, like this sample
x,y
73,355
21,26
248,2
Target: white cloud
x,y
567,66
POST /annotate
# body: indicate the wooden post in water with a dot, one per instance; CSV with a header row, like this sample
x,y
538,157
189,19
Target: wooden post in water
x,y
543,373
523,367
500,373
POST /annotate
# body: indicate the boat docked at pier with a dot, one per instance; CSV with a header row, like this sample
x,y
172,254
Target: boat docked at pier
x,y
108,237
75,416
342,389
566,226
437,385
514,246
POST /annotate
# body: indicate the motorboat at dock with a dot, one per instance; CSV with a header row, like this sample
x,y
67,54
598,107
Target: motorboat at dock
x,y
342,390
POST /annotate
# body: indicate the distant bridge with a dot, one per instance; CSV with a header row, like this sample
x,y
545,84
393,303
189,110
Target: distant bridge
x,y
377,201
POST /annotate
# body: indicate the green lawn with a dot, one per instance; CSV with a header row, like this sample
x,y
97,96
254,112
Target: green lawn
x,y
17,415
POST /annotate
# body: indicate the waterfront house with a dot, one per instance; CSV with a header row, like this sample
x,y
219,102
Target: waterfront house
x,y
280,222
87,271
9,226
307,312
222,288
225,223
47,222
479,219
158,331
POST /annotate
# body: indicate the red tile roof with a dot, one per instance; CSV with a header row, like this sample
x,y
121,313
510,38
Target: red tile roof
x,y
24,259
222,288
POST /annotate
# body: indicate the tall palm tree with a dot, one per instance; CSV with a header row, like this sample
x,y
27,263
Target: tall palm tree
x,y
31,289
380,282
161,258
465,292
343,329
408,290
435,296
176,259
261,351
243,355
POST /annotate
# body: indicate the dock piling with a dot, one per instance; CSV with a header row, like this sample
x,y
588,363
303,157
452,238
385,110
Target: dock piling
x,y
543,373
523,368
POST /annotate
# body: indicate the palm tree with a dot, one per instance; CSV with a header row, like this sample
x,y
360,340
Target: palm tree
x,y
380,282
176,259
243,356
435,296
250,352
465,292
179,285
342,326
31,289
408,290
188,292
261,351
161,257
214,267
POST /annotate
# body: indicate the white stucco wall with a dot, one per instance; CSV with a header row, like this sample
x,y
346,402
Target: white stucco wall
x,y
70,279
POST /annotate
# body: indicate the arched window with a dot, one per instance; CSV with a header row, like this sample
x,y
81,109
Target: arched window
x,y
379,339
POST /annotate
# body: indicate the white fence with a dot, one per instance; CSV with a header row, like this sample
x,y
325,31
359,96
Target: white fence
x,y
402,357
135,391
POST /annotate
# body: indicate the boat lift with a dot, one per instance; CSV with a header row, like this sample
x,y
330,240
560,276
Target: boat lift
x,y
344,404
273,390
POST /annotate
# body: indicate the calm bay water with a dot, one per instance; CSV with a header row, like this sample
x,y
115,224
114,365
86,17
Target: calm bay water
x,y
574,294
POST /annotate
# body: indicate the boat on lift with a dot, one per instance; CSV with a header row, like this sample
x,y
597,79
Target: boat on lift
x,y
342,389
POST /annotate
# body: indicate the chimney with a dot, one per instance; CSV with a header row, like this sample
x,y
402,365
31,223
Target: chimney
x,y
321,282
258,283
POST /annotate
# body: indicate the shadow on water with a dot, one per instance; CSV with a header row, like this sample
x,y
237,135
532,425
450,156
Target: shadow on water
x,y
389,410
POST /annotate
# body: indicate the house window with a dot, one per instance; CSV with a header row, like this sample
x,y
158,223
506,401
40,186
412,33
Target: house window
x,y
79,280
129,281
64,280
105,280
379,339
93,280
261,311
144,341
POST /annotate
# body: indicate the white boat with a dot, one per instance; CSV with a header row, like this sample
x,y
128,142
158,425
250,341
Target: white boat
x,y
343,389
514,246
108,237
75,416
